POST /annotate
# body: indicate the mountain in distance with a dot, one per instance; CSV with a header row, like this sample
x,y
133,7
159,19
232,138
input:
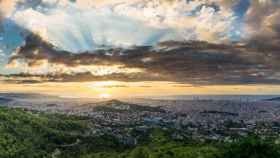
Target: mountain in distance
x,y
273,99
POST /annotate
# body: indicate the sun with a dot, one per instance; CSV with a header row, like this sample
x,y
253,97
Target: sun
x,y
104,96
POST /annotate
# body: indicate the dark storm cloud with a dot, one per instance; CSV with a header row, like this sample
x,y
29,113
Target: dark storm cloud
x,y
187,62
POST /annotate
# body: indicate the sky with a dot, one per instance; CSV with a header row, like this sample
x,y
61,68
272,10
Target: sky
x,y
209,46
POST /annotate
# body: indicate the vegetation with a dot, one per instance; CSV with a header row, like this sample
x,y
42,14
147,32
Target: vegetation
x,y
29,135
118,106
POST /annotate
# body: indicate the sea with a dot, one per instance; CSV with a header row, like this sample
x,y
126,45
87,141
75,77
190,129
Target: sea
x,y
218,97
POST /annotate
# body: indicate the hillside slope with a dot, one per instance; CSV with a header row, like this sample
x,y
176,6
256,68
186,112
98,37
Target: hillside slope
x,y
25,134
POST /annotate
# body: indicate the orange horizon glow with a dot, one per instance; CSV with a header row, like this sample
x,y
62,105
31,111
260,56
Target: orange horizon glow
x,y
118,89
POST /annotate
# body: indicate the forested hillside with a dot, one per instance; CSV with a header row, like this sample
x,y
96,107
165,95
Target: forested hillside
x,y
24,134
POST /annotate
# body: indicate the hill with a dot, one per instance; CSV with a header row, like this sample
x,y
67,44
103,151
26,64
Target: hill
x,y
36,135
4,100
120,106
24,134
273,99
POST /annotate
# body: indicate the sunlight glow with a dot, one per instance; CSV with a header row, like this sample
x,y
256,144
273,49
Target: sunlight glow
x,y
104,96
118,89
44,67
103,84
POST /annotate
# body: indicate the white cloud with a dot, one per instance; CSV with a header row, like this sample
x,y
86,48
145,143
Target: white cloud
x,y
7,7
262,21
85,30
85,24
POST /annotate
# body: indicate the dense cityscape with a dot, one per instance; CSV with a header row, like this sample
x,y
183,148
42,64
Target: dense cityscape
x,y
220,120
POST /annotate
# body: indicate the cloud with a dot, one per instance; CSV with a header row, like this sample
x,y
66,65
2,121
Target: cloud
x,y
77,32
188,62
262,21
7,7
82,25
139,40
39,57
